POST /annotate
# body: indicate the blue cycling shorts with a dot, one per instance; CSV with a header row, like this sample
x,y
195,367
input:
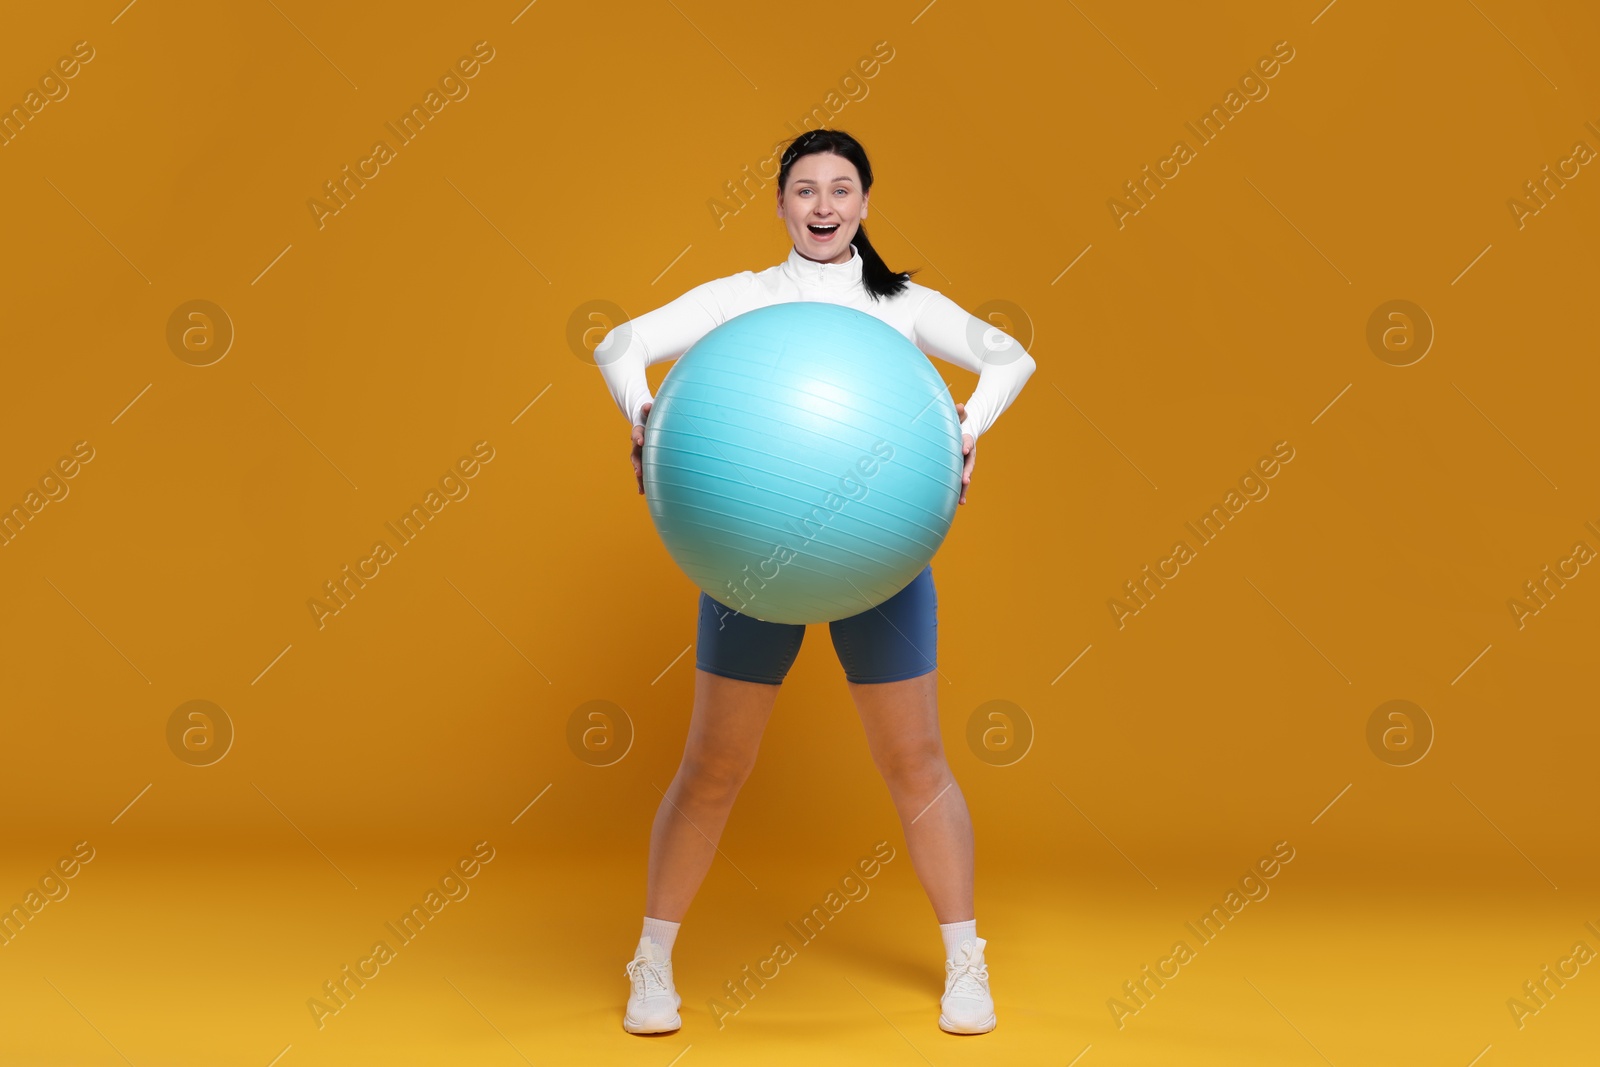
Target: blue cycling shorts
x,y
889,643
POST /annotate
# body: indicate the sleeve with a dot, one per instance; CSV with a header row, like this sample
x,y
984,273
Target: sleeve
x,y
945,329
664,333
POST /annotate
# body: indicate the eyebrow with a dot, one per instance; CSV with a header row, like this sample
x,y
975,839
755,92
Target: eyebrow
x,y
808,181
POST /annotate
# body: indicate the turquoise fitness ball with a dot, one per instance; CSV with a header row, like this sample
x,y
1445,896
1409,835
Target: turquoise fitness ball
x,y
802,462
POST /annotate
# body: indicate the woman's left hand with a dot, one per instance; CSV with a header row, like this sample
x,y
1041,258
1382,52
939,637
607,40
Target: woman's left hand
x,y
969,449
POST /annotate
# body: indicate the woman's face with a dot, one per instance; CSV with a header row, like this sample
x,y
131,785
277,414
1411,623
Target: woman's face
x,y
824,191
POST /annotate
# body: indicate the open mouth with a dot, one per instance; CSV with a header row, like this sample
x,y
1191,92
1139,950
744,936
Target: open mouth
x,y
823,233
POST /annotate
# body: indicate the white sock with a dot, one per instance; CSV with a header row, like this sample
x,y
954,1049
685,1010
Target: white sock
x,y
955,933
661,932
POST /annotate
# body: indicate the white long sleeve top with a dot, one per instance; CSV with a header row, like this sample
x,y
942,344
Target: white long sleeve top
x,y
927,318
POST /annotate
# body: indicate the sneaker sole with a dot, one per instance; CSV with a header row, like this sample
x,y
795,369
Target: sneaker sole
x,y
983,1028
634,1027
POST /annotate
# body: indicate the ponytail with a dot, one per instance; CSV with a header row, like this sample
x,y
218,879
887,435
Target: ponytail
x,y
876,276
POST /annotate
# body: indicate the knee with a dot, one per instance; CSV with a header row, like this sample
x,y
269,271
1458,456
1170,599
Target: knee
x,y
712,779
915,768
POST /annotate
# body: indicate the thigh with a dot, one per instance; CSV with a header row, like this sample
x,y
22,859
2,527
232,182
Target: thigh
x,y
736,646
894,641
901,721
726,727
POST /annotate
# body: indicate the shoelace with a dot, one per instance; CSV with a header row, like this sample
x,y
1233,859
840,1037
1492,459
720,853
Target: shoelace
x,y
644,974
966,978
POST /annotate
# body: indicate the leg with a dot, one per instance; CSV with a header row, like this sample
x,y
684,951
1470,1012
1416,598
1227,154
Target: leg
x,y
724,735
889,654
740,663
902,726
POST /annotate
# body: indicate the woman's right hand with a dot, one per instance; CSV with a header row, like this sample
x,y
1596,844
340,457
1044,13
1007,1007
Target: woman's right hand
x,y
638,445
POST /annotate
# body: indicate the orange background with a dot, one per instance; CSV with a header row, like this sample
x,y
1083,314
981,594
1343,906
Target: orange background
x,y
435,311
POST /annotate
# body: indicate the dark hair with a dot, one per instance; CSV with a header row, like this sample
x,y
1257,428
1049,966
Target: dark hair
x,y
876,276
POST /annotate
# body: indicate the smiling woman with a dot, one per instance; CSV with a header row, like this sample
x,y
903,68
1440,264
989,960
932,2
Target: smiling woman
x,y
823,204
887,652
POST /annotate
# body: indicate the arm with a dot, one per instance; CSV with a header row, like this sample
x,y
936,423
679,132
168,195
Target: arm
x,y
945,329
665,333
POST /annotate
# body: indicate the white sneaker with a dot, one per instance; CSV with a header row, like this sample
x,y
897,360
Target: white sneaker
x,y
653,1003
966,1007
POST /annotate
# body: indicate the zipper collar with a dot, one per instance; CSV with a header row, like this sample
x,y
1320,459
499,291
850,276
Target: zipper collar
x,y
810,273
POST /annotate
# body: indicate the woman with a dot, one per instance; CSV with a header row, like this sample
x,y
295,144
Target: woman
x,y
887,653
